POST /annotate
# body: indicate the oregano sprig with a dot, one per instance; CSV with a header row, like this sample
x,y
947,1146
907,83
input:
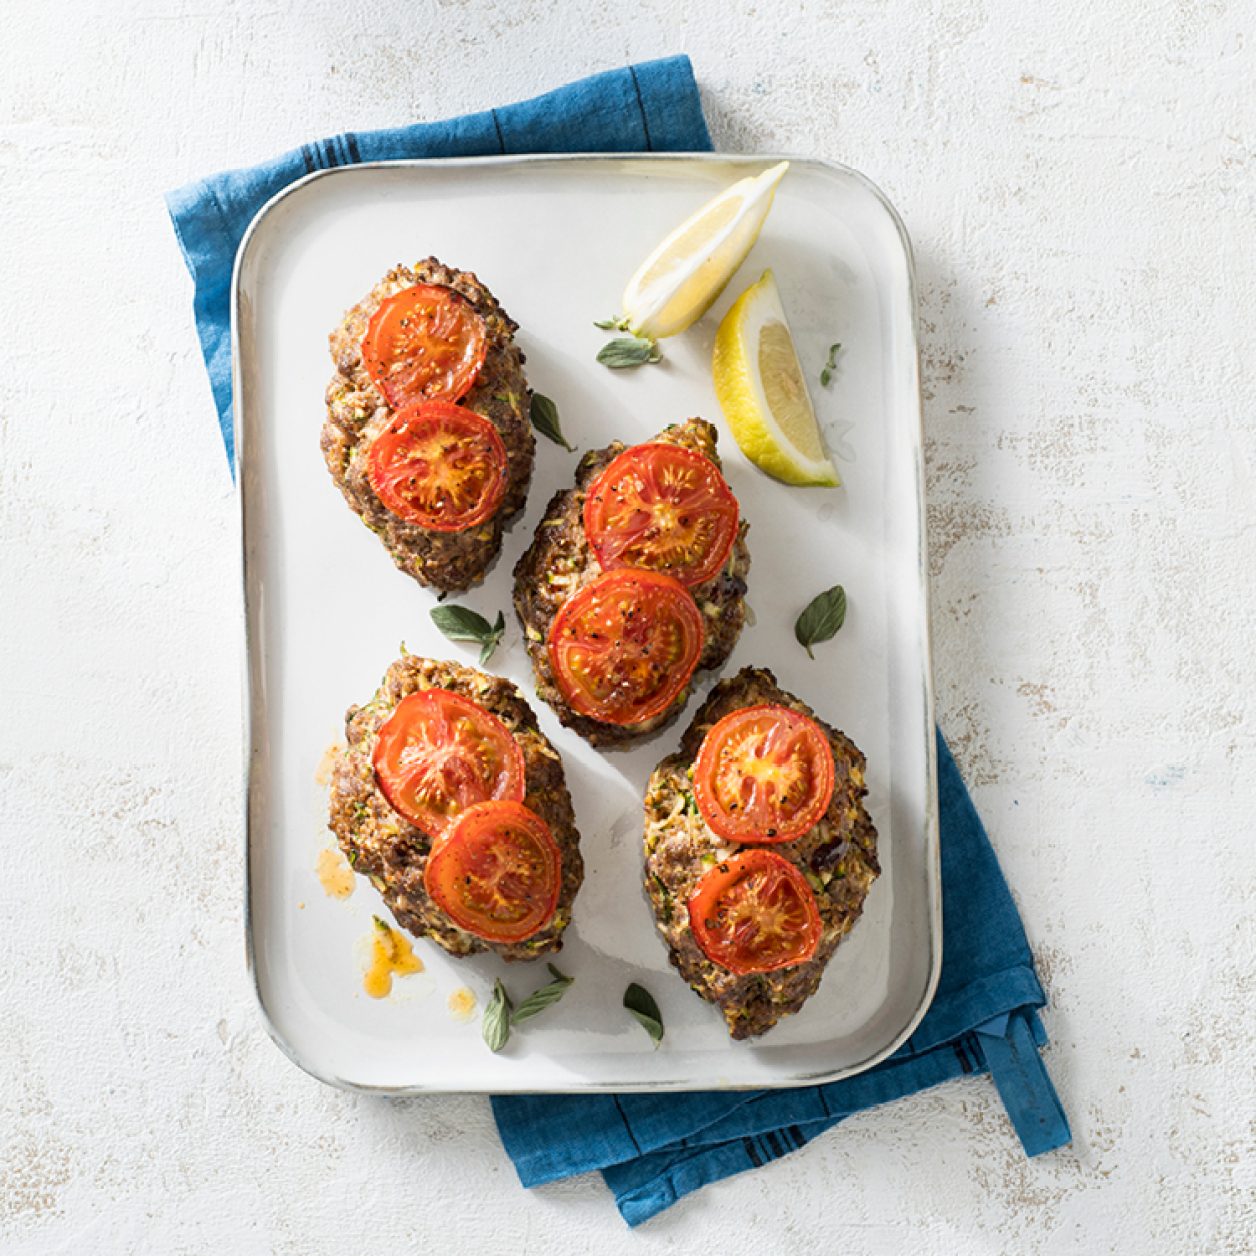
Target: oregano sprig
x,y
461,623
545,997
501,1015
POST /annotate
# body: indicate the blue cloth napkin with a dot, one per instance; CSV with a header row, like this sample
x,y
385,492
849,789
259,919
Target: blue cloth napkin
x,y
652,1149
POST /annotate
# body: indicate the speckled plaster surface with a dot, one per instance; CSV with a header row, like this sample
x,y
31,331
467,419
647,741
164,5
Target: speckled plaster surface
x,y
1078,179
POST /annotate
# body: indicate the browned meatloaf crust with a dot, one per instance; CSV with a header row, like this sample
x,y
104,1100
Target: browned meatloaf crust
x,y
392,853
560,561
357,413
838,858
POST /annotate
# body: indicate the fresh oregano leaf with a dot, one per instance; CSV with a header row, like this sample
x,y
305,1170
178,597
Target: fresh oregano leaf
x,y
640,1003
628,351
461,623
545,420
619,323
830,365
545,997
825,614
495,1025
499,628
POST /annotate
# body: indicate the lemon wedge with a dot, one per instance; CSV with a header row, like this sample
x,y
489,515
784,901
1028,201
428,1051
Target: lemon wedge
x,y
761,389
677,283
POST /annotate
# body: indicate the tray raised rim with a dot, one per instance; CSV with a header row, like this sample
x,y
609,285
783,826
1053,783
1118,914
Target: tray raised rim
x,y
254,701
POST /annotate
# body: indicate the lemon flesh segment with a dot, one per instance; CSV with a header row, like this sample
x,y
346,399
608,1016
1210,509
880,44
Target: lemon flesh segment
x,y
678,282
763,393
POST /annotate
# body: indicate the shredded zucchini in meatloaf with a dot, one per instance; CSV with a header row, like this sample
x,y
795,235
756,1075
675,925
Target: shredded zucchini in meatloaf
x,y
838,857
357,413
391,853
560,561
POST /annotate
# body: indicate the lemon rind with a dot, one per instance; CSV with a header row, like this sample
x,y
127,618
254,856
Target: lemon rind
x,y
741,396
644,312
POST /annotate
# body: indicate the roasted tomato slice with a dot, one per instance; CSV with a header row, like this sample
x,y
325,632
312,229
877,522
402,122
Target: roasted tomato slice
x,y
439,465
439,753
755,913
665,508
763,774
497,873
424,343
625,645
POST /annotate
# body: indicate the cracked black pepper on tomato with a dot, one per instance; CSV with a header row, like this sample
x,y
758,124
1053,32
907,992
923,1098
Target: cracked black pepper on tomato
x,y
635,579
427,433
759,851
453,803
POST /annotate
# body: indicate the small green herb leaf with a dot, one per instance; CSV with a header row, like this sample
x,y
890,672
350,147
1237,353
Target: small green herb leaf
x,y
640,1002
825,614
619,323
496,1023
486,650
461,623
545,997
830,364
545,420
628,351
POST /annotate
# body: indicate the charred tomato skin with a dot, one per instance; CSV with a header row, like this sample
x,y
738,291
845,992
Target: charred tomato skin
x,y
755,913
424,343
764,774
625,645
664,508
497,872
439,753
440,466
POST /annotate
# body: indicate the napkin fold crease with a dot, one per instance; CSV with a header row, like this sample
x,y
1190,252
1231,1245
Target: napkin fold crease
x,y
654,1149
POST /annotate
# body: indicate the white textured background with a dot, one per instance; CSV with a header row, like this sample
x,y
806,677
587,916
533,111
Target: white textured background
x,y
1078,180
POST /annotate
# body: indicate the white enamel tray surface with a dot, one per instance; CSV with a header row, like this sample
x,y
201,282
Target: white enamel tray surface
x,y
555,238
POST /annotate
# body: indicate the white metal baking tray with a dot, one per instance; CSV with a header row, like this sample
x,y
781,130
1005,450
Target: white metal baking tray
x,y
555,237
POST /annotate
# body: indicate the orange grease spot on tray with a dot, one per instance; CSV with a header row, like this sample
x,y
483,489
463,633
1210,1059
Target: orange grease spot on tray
x,y
462,1004
391,956
334,873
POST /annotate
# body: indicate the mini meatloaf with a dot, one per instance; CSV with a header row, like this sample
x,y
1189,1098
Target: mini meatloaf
x,y
560,561
392,853
357,414
838,857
